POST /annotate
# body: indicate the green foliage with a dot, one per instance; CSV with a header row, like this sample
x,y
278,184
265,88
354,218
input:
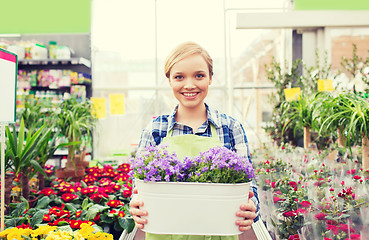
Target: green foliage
x,y
76,121
23,148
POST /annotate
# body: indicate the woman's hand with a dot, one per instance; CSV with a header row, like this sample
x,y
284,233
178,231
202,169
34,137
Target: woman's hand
x,y
136,212
248,212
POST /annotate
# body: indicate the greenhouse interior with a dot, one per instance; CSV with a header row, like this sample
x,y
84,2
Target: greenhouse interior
x,y
193,120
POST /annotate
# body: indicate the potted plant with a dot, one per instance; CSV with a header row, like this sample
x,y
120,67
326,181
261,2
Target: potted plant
x,y
22,150
216,179
352,113
75,122
301,114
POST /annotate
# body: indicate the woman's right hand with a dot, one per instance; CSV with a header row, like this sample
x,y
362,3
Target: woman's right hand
x,y
136,212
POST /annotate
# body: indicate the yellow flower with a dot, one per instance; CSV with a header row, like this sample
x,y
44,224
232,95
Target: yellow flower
x,y
59,235
16,233
102,236
86,230
43,230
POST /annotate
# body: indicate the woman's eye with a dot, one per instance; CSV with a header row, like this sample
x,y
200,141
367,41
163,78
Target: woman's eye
x,y
199,76
178,77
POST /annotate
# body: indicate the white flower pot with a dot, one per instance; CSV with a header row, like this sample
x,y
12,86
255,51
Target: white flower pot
x,y
192,208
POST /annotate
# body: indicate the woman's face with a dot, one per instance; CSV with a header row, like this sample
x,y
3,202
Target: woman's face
x,y
190,80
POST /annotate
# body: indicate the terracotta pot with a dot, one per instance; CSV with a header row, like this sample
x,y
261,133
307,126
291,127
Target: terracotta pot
x,y
59,173
32,201
76,174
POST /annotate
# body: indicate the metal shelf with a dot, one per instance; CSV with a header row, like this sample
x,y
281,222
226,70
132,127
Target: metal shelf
x,y
71,61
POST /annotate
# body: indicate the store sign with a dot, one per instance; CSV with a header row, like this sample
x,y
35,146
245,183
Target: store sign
x,y
292,94
325,85
8,86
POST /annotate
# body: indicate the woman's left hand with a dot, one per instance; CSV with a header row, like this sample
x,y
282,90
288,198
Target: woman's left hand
x,y
248,212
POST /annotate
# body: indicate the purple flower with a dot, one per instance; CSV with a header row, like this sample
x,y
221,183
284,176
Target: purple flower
x,y
218,164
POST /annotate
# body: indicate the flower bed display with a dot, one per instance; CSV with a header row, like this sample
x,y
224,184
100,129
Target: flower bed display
x,y
306,196
178,194
100,200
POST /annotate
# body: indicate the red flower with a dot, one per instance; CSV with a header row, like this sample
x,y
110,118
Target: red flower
x,y
68,197
273,184
112,211
292,184
327,238
289,214
305,204
294,237
127,193
320,216
115,203
121,214
333,228
46,218
96,197
47,192
352,171
346,228
357,177
78,213
354,237
24,226
75,224
301,210
97,217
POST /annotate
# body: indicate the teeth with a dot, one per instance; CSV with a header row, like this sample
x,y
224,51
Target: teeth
x,y
189,94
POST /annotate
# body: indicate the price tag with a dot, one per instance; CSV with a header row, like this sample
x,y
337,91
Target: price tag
x,y
292,94
99,107
325,85
116,104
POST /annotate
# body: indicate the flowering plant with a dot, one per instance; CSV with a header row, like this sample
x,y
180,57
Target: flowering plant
x,y
217,165
46,232
100,199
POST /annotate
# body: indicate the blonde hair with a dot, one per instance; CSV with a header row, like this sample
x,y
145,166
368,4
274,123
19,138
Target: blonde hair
x,y
184,50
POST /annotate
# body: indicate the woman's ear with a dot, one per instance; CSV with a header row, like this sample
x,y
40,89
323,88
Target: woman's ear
x,y
210,79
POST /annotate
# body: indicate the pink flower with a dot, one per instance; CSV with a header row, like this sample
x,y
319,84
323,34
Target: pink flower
x,y
354,237
333,228
305,203
301,210
327,238
352,171
273,184
289,214
346,228
357,177
320,216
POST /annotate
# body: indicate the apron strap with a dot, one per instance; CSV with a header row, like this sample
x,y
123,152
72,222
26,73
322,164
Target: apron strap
x,y
213,131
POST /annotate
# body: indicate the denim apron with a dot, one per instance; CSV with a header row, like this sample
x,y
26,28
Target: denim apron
x,y
190,145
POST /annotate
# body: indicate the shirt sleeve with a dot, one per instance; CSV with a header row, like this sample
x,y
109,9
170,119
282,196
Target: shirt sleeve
x,y
146,138
242,148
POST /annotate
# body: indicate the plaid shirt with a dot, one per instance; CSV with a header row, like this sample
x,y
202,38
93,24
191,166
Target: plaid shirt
x,y
229,130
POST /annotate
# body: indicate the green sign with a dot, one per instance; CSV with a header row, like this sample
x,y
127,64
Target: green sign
x,y
45,16
331,5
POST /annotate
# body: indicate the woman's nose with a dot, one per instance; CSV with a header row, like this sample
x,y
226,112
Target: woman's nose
x,y
189,83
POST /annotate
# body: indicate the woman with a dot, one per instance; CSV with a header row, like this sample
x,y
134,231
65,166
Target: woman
x,y
189,69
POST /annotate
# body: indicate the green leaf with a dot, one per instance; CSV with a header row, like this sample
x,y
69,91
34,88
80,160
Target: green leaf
x,y
91,213
84,185
43,202
37,218
71,208
84,203
284,190
65,228
63,223
19,210
13,222
127,224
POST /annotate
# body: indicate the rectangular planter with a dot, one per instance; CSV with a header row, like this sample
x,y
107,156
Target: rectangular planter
x,y
192,208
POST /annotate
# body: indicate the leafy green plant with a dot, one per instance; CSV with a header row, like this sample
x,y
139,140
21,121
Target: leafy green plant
x,y
75,122
351,114
22,150
281,79
302,113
